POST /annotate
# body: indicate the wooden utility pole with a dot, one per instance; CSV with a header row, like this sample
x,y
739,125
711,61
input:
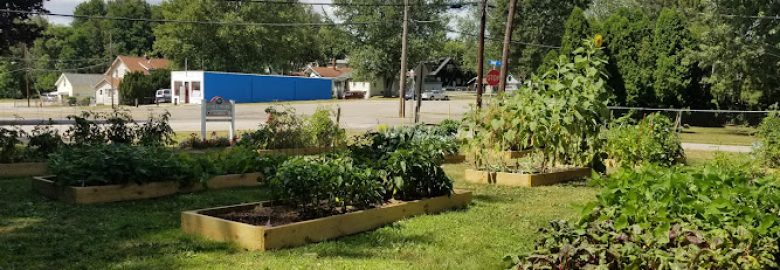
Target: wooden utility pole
x,y
402,83
507,40
481,54
27,73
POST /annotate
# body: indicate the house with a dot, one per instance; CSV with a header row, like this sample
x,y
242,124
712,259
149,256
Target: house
x,y
107,89
192,87
79,86
340,76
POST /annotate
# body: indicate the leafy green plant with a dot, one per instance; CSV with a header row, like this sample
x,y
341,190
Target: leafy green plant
x,y
319,186
769,135
653,140
119,164
43,140
559,114
120,128
85,131
156,131
324,132
195,142
713,217
415,172
9,145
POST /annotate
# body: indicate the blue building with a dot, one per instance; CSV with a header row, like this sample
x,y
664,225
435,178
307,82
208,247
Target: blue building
x,y
191,87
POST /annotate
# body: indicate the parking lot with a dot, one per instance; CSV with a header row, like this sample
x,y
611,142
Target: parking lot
x,y
355,114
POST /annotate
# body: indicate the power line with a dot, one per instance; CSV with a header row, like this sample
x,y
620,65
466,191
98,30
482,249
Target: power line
x,y
62,69
279,24
50,60
512,41
757,17
458,4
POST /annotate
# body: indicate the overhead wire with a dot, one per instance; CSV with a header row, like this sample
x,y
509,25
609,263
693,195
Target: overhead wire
x,y
455,4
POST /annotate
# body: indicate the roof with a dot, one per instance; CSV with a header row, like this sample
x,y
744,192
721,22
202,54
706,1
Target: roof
x,y
143,64
330,72
80,80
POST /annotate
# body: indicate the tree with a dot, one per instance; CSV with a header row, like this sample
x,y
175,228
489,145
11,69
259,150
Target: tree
x,y
740,55
628,42
575,30
90,36
135,85
240,48
672,75
536,22
376,54
15,28
9,81
130,37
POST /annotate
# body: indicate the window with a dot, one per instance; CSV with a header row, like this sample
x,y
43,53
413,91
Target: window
x,y
195,89
101,92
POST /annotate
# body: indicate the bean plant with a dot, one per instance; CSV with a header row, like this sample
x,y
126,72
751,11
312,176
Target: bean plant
x,y
286,129
713,217
652,140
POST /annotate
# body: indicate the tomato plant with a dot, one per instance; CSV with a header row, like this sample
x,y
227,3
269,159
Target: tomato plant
x,y
653,140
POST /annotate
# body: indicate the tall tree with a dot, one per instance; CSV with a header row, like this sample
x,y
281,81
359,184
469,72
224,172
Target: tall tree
x,y
536,22
741,54
90,36
130,37
628,43
376,53
241,48
575,30
672,76
15,27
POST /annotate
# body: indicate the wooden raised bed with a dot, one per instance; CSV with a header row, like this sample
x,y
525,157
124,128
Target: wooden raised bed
x,y
526,180
116,193
252,237
454,159
295,151
24,169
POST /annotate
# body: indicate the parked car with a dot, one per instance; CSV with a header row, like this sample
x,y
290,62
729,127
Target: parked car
x,y
49,97
163,96
434,95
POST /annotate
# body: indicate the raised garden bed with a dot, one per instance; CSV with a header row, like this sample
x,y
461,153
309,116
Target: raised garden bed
x,y
115,193
454,159
23,169
295,151
526,180
209,224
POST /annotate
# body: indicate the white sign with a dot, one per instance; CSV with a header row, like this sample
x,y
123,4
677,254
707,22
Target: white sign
x,y
218,110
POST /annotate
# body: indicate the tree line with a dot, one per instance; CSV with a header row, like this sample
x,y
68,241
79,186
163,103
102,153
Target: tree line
x,y
662,53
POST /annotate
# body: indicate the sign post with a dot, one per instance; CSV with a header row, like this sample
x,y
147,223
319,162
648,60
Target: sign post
x,y
218,110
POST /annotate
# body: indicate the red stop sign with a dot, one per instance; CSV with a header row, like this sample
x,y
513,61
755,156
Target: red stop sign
x,y
493,77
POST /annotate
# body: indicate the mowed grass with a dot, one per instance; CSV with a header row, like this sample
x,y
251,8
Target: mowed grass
x,y
730,135
36,233
699,158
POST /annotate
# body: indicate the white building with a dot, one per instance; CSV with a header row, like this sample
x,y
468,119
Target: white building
x,y
107,90
75,85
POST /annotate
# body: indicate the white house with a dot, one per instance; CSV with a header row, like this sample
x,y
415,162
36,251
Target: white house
x,y
76,85
107,90
340,76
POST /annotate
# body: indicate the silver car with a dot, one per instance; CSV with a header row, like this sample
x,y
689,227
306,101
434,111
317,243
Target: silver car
x,y
435,95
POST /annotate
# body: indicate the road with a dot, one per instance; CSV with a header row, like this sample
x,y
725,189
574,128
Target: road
x,y
717,148
355,114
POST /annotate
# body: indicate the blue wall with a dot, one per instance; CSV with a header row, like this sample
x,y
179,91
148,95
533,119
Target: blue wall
x,y
247,88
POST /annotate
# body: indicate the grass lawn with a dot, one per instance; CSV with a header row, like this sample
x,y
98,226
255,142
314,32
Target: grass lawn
x,y
698,158
730,135
36,233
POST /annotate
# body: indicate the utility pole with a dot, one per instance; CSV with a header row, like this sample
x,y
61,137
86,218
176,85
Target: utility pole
x,y
507,39
111,76
402,90
27,73
481,54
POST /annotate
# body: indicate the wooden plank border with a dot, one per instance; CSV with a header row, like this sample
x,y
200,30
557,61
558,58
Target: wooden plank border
x,y
116,193
24,169
525,180
251,237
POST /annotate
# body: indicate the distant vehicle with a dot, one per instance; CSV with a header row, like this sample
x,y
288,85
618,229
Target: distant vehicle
x,y
434,95
49,97
163,96
409,95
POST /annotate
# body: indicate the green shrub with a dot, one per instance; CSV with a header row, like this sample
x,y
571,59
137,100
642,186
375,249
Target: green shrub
x,y
284,129
118,164
72,101
85,131
415,172
376,146
669,218
319,186
120,127
43,140
9,145
769,138
653,140
156,131
448,127
323,131
195,142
